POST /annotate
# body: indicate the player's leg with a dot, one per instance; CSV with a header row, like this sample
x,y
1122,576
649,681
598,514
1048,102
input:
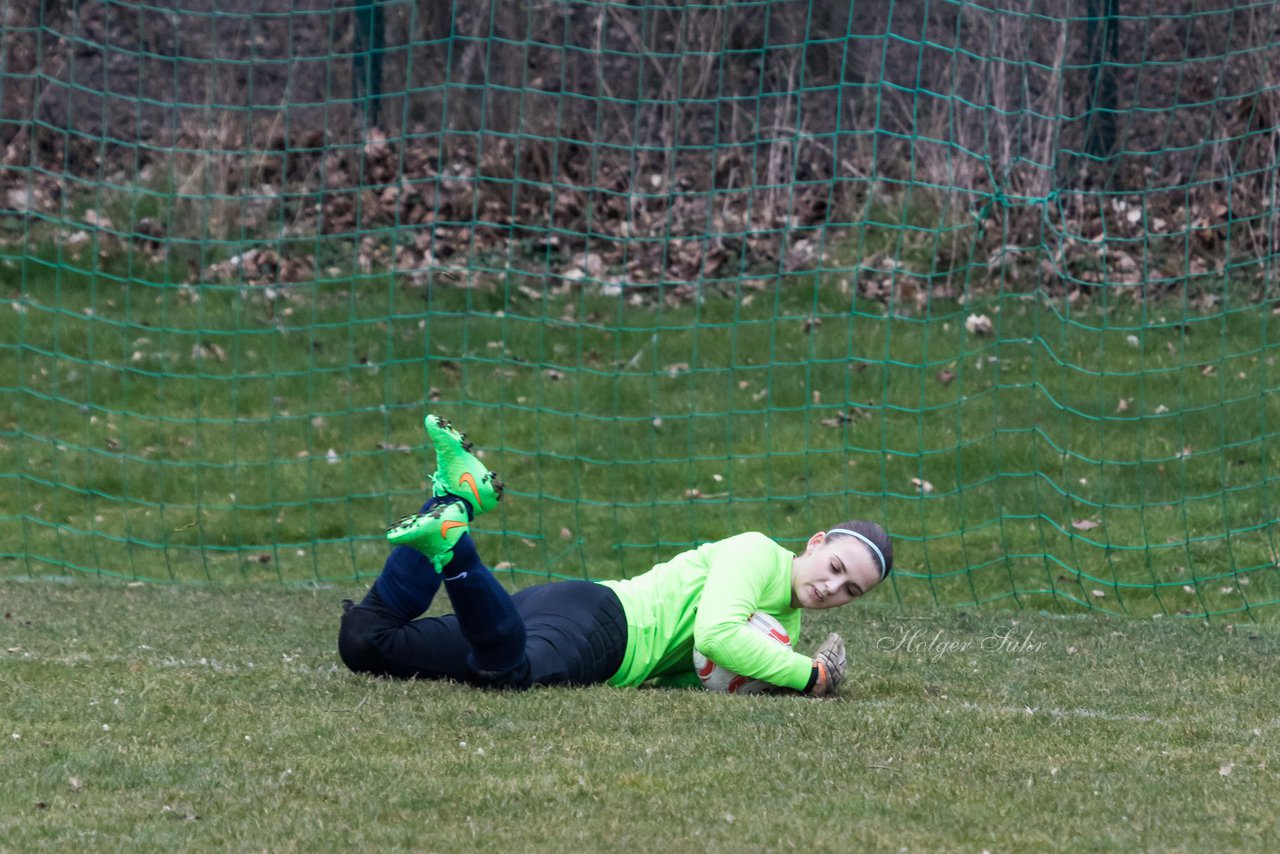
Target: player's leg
x,y
489,648
459,472
565,633
408,581
382,634
375,640
377,631
486,615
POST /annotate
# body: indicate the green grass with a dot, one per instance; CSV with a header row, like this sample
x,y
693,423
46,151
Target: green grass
x,y
1104,454
177,718
246,446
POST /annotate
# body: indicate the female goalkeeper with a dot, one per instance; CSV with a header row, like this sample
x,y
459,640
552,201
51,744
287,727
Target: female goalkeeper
x,y
580,633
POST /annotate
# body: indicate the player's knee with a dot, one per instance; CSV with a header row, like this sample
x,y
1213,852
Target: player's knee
x,y
500,645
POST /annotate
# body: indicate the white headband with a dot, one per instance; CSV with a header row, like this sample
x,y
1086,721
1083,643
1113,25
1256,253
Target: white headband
x,y
874,548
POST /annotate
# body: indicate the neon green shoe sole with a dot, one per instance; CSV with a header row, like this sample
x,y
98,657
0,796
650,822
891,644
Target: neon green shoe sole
x,y
459,471
433,534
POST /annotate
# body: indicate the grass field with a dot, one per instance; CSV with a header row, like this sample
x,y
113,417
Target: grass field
x,y
1101,455
167,718
1102,477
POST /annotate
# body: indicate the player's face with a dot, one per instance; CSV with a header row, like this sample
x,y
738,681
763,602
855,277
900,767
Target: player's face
x,y
831,573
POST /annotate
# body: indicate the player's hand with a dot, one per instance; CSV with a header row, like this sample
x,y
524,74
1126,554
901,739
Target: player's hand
x,y
829,664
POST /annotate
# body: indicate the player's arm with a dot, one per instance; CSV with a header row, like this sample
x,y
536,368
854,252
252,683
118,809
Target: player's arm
x,y
743,579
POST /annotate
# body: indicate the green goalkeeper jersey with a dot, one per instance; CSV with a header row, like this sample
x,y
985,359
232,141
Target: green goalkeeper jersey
x,y
703,597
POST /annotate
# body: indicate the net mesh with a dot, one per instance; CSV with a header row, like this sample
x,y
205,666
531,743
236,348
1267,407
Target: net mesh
x,y
1001,276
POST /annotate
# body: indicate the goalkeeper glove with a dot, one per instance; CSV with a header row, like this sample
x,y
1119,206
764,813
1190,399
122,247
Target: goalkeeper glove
x,y
829,665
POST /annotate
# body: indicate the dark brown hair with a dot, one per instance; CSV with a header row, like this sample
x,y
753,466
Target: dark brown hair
x,y
872,532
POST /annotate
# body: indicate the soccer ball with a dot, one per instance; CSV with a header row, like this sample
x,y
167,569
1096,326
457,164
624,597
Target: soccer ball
x,y
717,678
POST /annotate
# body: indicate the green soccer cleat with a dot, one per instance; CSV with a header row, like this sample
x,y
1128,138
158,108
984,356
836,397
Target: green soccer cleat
x,y
459,472
433,533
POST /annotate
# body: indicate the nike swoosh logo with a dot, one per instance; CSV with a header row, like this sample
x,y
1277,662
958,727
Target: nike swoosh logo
x,y
446,527
468,480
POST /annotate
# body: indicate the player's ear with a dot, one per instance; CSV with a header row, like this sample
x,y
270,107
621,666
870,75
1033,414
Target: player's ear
x,y
815,541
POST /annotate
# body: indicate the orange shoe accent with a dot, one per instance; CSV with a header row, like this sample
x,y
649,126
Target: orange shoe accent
x,y
446,527
468,480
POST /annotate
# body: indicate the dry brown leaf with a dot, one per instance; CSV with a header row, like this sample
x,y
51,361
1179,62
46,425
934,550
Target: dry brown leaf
x,y
978,324
94,218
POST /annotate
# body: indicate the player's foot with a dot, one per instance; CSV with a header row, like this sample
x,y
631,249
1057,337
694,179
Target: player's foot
x,y
459,471
433,533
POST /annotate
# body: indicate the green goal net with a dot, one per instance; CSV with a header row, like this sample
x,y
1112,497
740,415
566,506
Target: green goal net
x,y
1000,275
